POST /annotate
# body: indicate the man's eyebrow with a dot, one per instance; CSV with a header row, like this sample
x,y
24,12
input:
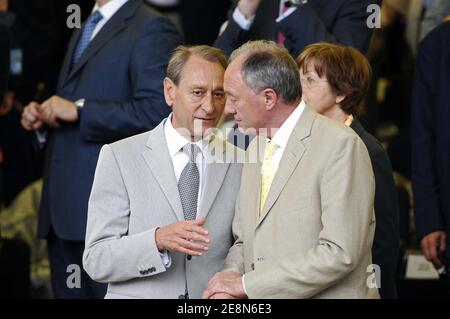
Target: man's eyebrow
x,y
196,86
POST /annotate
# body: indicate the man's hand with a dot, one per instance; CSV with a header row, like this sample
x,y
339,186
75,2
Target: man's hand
x,y
433,247
248,7
31,117
225,283
50,112
7,104
57,108
180,237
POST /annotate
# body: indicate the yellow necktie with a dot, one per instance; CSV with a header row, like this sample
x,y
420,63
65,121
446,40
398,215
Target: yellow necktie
x,y
267,172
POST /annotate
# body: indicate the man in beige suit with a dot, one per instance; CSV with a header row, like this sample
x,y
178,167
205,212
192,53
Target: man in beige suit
x,y
304,221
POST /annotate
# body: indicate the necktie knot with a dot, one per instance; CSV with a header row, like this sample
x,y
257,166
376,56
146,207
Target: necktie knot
x,y
192,151
270,149
95,18
86,35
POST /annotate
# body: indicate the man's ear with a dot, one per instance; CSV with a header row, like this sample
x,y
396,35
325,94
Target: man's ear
x,y
270,98
169,91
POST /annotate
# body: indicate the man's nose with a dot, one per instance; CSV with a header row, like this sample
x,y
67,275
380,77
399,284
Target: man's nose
x,y
229,109
208,105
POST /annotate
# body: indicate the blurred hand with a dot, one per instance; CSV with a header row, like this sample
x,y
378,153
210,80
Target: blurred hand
x,y
248,7
180,237
7,104
433,247
31,117
57,108
225,283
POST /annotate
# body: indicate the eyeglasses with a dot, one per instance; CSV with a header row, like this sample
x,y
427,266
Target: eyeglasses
x,y
309,80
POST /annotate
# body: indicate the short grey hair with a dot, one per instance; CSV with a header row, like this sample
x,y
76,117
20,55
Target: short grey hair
x,y
182,54
268,65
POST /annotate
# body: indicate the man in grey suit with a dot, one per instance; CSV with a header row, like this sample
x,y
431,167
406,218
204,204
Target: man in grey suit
x,y
304,222
162,203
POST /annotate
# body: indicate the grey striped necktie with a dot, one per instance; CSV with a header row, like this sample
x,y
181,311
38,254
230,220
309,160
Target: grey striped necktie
x,y
189,182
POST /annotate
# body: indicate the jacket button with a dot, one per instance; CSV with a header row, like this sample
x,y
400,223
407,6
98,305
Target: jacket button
x,y
142,272
181,297
153,269
189,257
253,266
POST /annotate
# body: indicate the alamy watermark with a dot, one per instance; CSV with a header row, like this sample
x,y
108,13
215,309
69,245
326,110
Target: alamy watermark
x,y
74,19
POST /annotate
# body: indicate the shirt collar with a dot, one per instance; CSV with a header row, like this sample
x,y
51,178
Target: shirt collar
x,y
281,137
110,8
176,141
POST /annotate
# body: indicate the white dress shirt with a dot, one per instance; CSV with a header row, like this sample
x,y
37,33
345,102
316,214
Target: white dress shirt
x,y
281,137
107,11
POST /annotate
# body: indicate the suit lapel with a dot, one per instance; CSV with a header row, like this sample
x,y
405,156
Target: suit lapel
x,y
291,158
68,58
214,178
116,24
157,157
216,169
357,127
256,147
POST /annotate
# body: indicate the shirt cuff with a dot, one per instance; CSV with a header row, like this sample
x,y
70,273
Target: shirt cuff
x,y
287,13
41,136
243,284
241,20
166,259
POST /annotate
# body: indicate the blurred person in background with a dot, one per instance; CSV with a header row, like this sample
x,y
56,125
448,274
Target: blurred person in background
x,y
296,26
430,140
110,87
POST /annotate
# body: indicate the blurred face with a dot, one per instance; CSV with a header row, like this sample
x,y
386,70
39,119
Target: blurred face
x,y
317,92
247,107
198,99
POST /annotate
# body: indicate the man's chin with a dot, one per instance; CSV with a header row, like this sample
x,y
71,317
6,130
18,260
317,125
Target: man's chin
x,y
243,128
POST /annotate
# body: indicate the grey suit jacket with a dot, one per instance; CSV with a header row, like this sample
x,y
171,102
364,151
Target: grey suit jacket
x,y
134,192
314,236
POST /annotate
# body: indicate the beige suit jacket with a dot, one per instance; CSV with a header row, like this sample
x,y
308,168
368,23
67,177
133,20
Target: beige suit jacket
x,y
315,233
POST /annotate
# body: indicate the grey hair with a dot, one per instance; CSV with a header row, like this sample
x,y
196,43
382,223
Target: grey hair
x,y
268,65
182,54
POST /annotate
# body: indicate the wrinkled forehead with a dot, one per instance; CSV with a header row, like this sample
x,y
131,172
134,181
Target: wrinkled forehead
x,y
198,69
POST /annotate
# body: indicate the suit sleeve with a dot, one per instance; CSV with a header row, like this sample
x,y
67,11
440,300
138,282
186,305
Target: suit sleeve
x,y
232,37
111,255
304,26
347,192
106,121
427,208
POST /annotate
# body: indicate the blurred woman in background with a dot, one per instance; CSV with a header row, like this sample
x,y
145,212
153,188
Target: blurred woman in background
x,y
335,80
